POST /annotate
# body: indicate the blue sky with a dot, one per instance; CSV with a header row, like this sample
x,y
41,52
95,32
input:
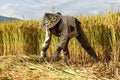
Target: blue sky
x,y
35,9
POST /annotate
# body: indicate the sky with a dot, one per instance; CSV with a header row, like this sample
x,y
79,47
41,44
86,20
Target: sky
x,y
35,9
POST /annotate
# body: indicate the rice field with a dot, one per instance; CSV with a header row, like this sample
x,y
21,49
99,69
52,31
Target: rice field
x,y
103,33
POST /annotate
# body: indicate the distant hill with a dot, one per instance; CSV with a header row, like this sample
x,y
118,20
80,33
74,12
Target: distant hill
x,y
3,18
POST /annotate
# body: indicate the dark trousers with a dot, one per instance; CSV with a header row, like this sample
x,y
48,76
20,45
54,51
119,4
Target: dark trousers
x,y
83,41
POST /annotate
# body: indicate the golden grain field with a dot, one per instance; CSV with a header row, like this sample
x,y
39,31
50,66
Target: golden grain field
x,y
103,33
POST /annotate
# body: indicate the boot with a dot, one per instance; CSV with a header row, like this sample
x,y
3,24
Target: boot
x,y
96,59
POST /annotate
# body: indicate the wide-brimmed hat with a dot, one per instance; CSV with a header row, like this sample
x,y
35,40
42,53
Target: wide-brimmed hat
x,y
50,20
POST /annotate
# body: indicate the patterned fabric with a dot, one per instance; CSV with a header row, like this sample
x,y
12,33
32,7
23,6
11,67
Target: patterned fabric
x,y
50,20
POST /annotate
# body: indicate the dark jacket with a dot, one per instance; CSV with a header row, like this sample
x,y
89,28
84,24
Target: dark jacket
x,y
65,29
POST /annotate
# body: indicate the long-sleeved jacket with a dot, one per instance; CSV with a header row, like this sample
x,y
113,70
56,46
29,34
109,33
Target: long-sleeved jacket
x,y
65,29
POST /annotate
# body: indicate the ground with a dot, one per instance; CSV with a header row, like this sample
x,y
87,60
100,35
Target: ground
x,y
22,67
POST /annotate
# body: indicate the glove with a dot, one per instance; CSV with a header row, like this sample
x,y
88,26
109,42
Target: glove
x,y
43,52
56,57
96,59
